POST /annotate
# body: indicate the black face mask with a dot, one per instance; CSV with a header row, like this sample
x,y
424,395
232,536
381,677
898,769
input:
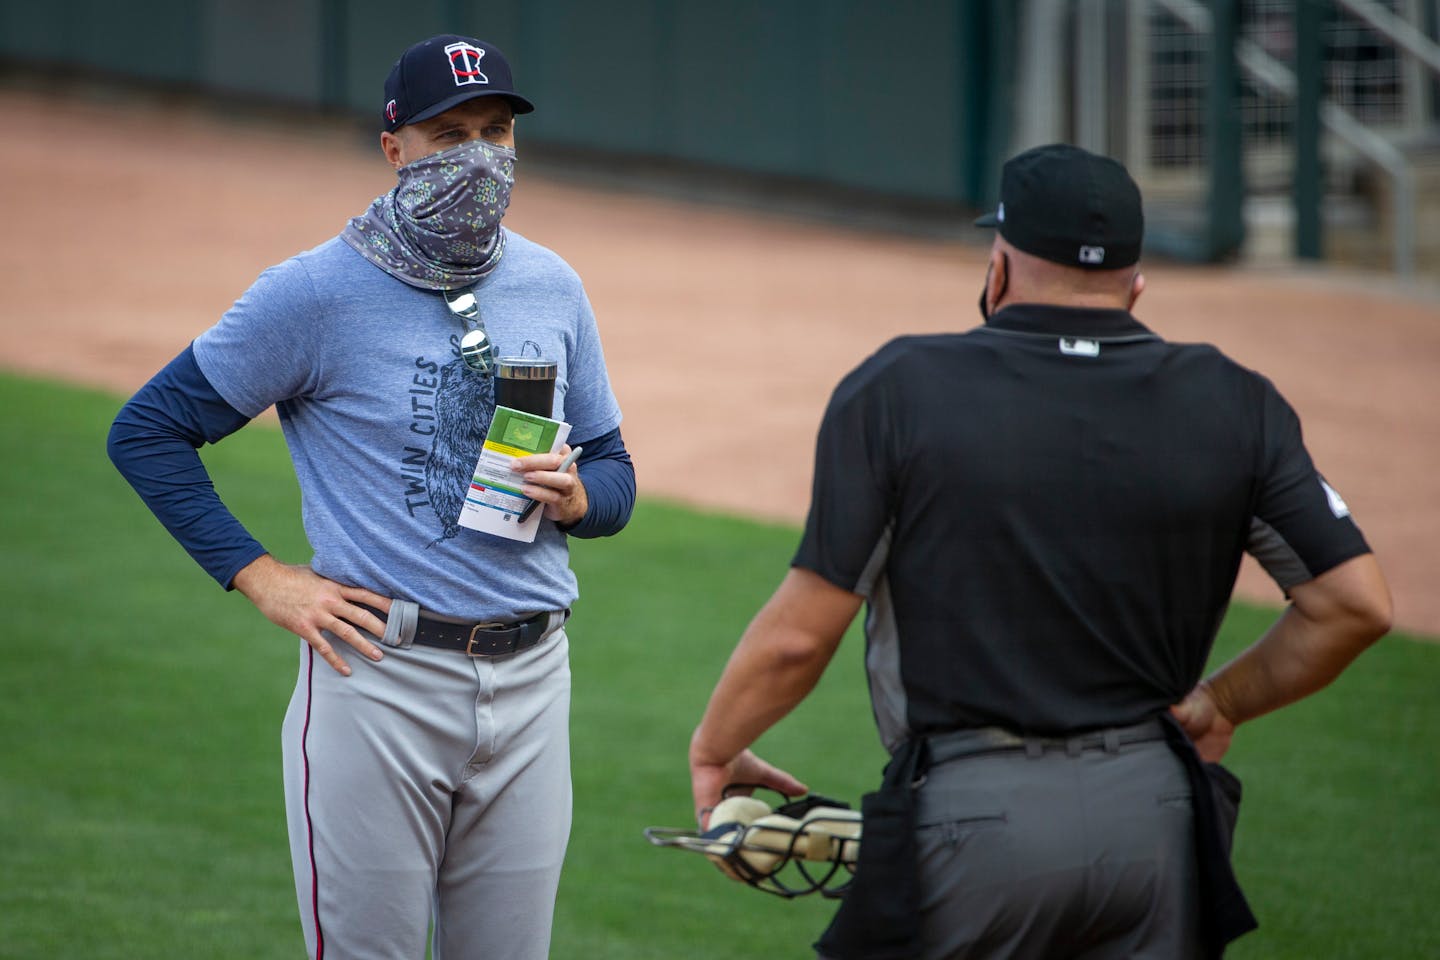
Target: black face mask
x,y
985,307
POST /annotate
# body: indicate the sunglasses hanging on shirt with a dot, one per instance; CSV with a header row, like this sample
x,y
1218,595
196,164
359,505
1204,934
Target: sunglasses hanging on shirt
x,y
476,348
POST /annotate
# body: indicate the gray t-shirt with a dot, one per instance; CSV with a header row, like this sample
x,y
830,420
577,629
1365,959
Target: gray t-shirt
x,y
384,421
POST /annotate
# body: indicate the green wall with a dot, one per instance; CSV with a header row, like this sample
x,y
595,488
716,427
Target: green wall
x,y
908,98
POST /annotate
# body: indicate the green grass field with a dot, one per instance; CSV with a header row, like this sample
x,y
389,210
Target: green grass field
x,y
140,798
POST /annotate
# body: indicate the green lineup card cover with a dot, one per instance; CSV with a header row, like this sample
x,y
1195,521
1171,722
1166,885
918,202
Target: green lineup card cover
x,y
494,503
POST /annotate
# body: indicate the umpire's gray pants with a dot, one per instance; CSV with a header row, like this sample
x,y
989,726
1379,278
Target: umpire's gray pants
x,y
1059,854
430,784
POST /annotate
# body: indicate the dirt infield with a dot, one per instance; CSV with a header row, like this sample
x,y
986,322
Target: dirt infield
x,y
130,226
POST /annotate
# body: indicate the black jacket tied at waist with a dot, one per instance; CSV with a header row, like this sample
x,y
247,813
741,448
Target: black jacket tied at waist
x,y
1215,792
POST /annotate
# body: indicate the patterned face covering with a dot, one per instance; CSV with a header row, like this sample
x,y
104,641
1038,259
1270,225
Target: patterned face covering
x,y
439,229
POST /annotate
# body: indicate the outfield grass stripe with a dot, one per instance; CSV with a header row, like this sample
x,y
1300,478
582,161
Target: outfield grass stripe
x,y
140,781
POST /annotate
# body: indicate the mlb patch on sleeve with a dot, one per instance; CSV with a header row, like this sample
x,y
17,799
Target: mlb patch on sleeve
x,y
1337,504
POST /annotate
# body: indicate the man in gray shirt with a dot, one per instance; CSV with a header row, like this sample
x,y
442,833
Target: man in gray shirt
x,y
427,779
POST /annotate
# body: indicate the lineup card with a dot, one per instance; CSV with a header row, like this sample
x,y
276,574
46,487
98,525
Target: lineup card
x,y
493,503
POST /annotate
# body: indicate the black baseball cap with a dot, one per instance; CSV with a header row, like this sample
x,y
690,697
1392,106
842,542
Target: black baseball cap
x,y
442,72
1069,206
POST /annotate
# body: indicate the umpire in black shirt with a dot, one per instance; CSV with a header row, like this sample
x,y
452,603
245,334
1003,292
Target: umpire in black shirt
x,y
1044,517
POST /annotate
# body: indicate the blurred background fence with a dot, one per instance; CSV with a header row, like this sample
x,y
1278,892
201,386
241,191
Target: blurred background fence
x,y
1257,128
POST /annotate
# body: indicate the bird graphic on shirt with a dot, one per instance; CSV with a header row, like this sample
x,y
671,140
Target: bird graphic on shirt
x,y
464,406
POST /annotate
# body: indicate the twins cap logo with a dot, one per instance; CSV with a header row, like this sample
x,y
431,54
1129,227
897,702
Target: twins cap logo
x,y
390,111
465,63
1000,213
1092,254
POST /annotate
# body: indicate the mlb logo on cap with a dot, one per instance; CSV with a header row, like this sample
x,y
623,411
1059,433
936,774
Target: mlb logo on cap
x,y
443,72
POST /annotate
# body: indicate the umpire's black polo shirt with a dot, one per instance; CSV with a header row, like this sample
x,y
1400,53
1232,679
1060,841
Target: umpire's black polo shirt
x,y
1046,515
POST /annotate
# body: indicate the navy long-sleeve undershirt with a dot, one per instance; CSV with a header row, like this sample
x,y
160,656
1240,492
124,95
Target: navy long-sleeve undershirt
x,y
156,436
609,477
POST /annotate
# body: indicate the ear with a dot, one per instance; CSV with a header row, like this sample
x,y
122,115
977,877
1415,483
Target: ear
x,y
390,146
1137,287
997,278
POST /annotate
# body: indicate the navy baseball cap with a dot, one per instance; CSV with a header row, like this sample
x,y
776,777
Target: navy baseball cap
x,y
443,72
1069,206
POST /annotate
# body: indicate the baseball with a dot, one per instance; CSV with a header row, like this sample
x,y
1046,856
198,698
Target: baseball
x,y
741,810
831,833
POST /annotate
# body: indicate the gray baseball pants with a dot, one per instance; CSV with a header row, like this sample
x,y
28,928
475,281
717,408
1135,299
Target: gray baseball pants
x,y
431,787
1084,854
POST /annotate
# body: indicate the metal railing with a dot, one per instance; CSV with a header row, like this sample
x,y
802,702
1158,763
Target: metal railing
x,y
1397,30
1274,75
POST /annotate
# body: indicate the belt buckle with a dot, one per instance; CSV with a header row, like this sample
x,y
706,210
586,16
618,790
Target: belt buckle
x,y
470,644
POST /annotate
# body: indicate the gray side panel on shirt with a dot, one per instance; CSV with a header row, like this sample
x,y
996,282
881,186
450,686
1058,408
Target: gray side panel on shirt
x,y
1276,555
882,649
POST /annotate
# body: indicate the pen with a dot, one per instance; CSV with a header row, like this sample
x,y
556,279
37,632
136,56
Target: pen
x,y
570,458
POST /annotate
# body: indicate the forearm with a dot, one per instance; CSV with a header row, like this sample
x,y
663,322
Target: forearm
x,y
153,443
778,661
1332,621
609,478
766,678
256,577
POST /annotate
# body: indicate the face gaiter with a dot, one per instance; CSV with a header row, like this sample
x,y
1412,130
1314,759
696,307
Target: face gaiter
x,y
439,229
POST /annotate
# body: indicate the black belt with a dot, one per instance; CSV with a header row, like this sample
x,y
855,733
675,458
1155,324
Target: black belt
x,y
491,639
968,743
